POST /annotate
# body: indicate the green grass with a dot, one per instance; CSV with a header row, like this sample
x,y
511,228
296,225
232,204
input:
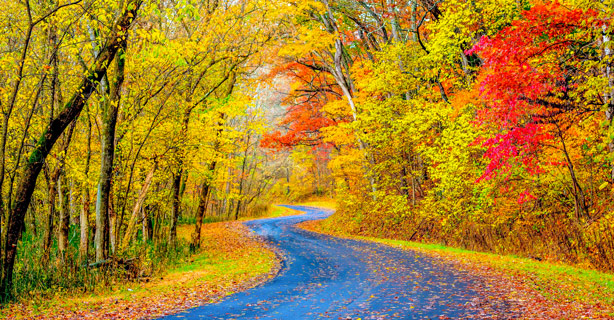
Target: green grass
x,y
252,262
282,211
278,212
199,262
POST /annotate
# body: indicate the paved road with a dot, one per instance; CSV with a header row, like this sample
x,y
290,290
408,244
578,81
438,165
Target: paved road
x,y
326,277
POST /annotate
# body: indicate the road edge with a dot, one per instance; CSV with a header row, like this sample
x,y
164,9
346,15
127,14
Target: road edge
x,y
524,290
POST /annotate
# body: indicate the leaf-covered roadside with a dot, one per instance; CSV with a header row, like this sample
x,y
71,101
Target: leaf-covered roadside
x,y
538,290
231,260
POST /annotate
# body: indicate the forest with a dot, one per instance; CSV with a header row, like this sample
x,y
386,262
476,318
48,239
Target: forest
x,y
485,125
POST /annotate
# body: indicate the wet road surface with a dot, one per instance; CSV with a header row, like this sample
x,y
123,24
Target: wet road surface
x,y
324,277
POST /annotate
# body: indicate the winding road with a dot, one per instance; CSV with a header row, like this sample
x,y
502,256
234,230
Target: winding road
x,y
324,277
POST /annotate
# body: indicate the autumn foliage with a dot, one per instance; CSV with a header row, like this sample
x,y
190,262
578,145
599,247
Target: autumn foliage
x,y
304,117
483,124
121,121
532,83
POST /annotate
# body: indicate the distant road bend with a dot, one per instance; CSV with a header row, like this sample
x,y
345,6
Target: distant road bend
x,y
325,277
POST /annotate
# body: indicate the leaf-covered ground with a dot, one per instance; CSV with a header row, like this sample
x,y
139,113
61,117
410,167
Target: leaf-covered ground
x,y
231,260
537,290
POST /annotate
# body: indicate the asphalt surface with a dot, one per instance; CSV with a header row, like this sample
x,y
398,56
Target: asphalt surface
x,y
324,277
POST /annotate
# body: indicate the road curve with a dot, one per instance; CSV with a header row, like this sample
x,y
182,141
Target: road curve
x,y
324,277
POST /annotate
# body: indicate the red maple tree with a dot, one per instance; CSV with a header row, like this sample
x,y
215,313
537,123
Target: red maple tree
x,y
530,81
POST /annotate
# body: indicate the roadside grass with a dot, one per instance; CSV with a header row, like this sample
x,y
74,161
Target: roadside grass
x,y
277,211
555,281
229,261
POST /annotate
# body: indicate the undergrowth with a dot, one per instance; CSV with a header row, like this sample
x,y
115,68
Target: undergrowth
x,y
229,260
37,280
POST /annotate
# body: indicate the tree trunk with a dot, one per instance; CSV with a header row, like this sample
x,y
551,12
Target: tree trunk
x,y
47,140
64,221
85,201
175,209
7,111
205,191
48,235
137,209
176,201
104,228
242,177
177,187
84,225
145,224
202,207
404,181
53,191
112,226
346,86
580,205
74,217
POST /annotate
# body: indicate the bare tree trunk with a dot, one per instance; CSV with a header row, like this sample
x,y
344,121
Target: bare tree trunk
x,y
176,201
225,209
394,23
404,182
8,110
186,121
580,206
53,191
414,22
242,177
287,181
49,137
53,180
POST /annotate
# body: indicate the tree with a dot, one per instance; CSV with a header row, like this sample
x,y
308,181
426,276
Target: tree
x,y
55,128
551,49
